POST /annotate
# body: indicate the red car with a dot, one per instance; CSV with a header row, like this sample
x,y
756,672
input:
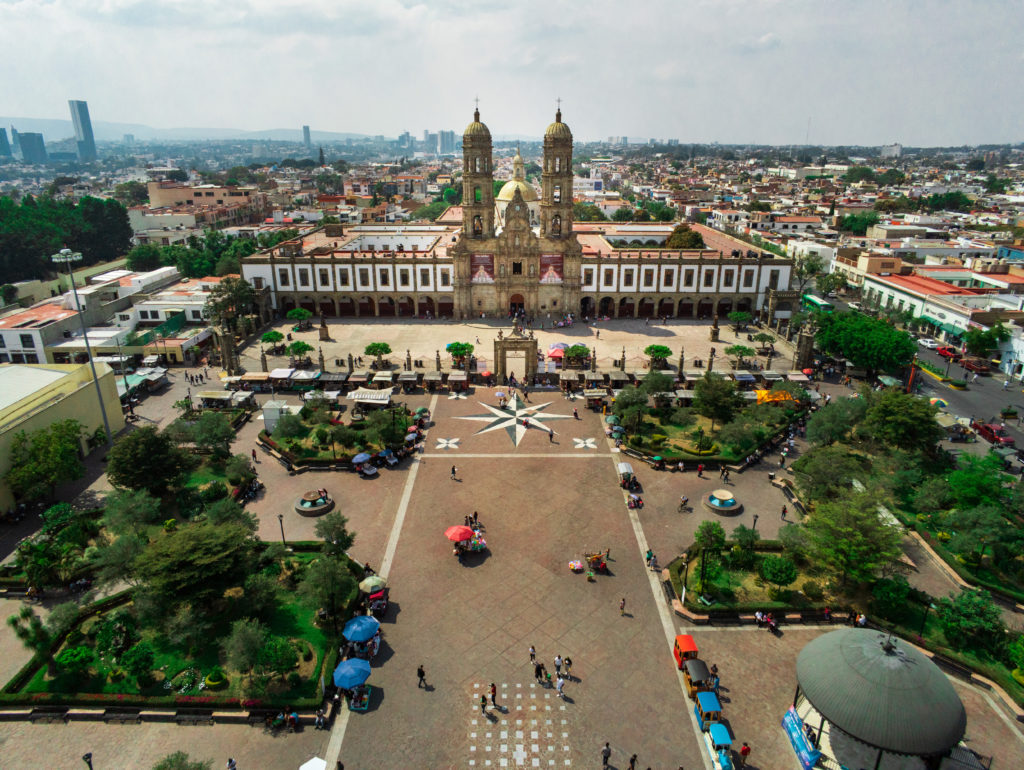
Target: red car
x,y
993,433
949,352
974,365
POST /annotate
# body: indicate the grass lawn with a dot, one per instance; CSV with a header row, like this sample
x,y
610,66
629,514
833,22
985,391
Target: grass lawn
x,y
734,589
205,474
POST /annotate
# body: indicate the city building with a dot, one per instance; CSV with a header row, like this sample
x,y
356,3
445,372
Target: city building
x,y
519,251
5,146
306,139
176,209
445,142
33,148
35,397
83,130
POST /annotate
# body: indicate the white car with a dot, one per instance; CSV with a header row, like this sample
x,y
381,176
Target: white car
x,y
853,305
927,342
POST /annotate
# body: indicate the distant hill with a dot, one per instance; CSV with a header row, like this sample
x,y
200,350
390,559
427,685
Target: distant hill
x,y
54,130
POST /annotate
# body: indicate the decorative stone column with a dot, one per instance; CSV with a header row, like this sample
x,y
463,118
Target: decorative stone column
x,y
714,329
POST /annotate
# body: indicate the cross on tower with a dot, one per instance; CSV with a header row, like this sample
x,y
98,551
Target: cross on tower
x,y
476,101
558,101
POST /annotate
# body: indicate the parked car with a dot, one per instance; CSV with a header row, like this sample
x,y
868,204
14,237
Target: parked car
x,y
928,342
993,433
853,305
947,351
974,365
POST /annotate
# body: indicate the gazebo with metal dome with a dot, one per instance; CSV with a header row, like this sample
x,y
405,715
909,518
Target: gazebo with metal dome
x,y
873,700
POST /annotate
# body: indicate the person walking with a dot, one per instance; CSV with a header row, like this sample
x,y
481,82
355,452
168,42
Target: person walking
x,y
533,654
576,414
647,557
453,472
622,606
632,762
494,695
558,664
559,685
483,704
700,471
231,765
744,754
1006,384
568,667
421,677
606,754
551,436
254,459
784,512
538,672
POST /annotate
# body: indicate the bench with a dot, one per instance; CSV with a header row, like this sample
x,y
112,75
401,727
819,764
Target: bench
x,y
705,600
951,666
111,715
260,717
48,714
670,592
814,616
193,717
724,618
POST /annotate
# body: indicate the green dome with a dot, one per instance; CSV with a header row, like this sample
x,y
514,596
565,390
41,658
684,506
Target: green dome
x,y
881,691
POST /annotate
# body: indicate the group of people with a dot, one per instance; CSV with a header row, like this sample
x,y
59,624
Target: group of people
x,y
767,621
199,378
543,676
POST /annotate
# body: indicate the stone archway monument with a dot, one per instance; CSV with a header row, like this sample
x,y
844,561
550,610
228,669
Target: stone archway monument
x,y
516,346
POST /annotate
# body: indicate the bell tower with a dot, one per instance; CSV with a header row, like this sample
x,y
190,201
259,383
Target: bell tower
x,y
477,181
556,181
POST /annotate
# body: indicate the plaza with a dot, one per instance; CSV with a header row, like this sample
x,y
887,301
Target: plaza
x,y
544,501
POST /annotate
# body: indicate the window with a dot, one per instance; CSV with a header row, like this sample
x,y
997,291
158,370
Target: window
x,y
478,168
477,195
688,277
26,340
425,277
197,315
31,358
303,277
588,275
557,193
899,305
325,276
748,279
648,278
517,268
120,317
446,279
709,279
609,276
144,314
773,279
3,342
382,278
627,278
670,277
257,283
403,277
282,276
727,279
342,278
558,164
556,225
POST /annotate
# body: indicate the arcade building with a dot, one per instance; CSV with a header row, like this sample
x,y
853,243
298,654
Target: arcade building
x,y
517,251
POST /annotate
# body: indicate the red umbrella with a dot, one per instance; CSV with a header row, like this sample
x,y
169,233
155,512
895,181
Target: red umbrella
x,y
458,533
556,353
412,429
808,372
488,373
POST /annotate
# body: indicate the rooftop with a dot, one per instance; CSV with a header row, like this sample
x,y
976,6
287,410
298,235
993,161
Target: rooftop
x,y
18,381
36,317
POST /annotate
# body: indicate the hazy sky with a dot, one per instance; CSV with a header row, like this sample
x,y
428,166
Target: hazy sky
x,y
868,72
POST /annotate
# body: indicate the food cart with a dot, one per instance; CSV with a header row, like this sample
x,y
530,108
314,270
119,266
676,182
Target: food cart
x,y
432,380
408,381
595,398
457,381
305,379
359,697
257,382
684,649
214,399
718,743
697,677
707,709
627,478
384,379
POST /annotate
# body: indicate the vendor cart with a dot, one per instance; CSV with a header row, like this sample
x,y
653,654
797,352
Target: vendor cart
x,y
359,698
684,649
596,398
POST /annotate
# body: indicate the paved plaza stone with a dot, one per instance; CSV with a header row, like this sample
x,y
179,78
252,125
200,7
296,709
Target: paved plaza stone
x,y
542,502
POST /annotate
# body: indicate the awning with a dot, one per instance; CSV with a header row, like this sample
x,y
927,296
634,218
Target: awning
x,y
569,375
333,377
693,374
595,393
639,374
368,396
429,377
363,375
241,396
408,377
593,376
771,376
617,376
255,377
306,375
281,374
889,382
327,395
151,360
384,376
686,395
743,376
457,377
214,395
945,420
929,320
797,377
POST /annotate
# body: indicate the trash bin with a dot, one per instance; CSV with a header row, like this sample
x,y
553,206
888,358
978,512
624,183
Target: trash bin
x,y
771,475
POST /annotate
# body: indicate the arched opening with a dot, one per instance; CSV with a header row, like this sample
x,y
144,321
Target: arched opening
x,y
478,196
587,307
327,307
646,309
607,307
445,308
556,225
626,308
426,307
478,223
387,306
406,307
724,307
650,242
365,306
745,305
516,303
307,303
346,307
666,307
685,308
287,303
705,308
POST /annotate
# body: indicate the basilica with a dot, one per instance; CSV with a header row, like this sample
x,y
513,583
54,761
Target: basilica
x,y
517,251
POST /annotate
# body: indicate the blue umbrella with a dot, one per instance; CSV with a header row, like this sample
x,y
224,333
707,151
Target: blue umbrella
x,y
351,673
361,628
360,458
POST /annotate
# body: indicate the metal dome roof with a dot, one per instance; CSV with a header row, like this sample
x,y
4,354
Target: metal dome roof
x,y
558,129
476,128
881,691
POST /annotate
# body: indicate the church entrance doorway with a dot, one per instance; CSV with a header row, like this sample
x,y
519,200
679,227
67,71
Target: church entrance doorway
x,y
516,303
515,364
587,307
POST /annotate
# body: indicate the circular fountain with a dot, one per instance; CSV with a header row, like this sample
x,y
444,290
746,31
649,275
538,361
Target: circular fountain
x,y
316,502
722,502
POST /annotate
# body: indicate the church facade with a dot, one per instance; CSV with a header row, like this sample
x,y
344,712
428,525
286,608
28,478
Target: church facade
x,y
519,251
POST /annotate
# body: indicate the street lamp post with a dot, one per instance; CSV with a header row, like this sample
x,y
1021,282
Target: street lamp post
x,y
67,257
124,377
755,522
924,620
87,758
280,520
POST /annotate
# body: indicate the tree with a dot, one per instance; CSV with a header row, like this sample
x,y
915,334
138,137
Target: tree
x,y
128,511
827,472
746,540
138,661
298,314
75,660
9,293
834,421
831,282
327,584
977,530
779,571
41,460
866,342
684,237
34,634
271,337
195,564
971,620
764,338
577,352
115,562
716,398
290,426
975,164
739,352
144,257
378,349
897,419
658,355
333,530
848,538
458,351
277,656
630,406
228,301
980,341
890,596
740,319
213,431
431,211
858,224
244,644
146,459
587,212
299,348
656,382
806,267
710,536
856,174
624,214
179,760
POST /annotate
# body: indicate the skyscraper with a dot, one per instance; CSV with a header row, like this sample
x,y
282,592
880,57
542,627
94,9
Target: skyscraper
x,y
305,137
5,146
33,149
15,144
83,130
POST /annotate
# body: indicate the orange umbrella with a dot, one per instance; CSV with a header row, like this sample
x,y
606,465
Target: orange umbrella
x,y
458,533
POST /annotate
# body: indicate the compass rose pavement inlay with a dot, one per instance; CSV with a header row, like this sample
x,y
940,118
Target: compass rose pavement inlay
x,y
511,418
